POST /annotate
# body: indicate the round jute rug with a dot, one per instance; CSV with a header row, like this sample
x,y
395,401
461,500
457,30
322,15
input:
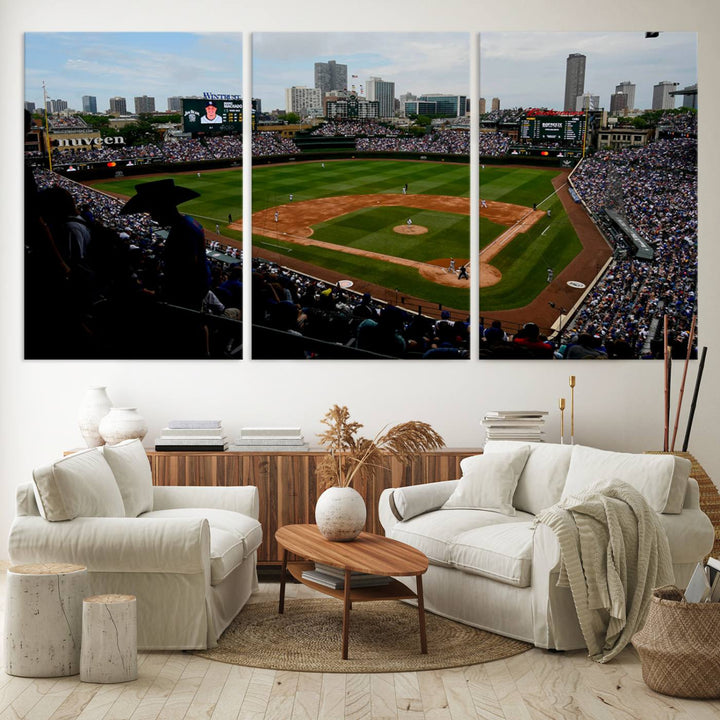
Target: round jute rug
x,y
384,637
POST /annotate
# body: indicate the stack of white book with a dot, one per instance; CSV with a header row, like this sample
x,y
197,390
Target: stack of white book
x,y
334,577
270,439
192,436
519,425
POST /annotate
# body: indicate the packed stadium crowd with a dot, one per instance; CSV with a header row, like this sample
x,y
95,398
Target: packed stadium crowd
x,y
301,307
450,142
354,128
176,150
67,121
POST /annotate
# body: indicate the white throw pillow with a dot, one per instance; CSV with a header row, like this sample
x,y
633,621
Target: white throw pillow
x,y
660,479
131,468
79,485
488,482
542,480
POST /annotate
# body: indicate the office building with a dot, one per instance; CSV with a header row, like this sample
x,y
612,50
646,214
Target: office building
x,y
629,89
619,103
30,106
118,106
587,101
330,76
384,93
574,79
174,104
144,104
662,98
303,100
495,104
89,104
483,106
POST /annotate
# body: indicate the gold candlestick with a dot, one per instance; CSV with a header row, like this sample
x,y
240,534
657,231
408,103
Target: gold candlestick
x,y
561,405
572,409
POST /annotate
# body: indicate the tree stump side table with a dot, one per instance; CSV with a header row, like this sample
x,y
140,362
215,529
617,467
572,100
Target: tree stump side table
x,y
43,619
109,639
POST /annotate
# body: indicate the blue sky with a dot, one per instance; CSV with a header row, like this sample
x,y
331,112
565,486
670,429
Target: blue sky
x,y
131,64
522,69
528,69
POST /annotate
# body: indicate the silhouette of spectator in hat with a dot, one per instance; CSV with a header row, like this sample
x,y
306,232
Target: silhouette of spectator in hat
x,y
186,276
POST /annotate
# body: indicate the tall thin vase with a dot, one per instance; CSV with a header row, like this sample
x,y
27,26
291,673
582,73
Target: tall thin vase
x,y
95,406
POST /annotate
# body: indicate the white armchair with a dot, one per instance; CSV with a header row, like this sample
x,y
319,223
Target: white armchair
x,y
189,557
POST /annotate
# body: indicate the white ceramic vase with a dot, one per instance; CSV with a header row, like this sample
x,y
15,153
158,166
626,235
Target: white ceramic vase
x,y
122,423
96,404
340,513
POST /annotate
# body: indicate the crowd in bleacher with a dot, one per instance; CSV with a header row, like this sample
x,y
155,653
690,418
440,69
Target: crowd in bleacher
x,y
655,189
451,142
354,128
299,306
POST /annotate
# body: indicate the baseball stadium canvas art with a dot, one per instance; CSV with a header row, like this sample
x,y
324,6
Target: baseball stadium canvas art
x,y
361,228
368,241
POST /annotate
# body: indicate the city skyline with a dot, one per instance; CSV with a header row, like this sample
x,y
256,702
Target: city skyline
x,y
129,65
527,69
523,69
416,62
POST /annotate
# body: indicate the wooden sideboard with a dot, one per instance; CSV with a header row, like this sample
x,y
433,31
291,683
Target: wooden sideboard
x,y
286,482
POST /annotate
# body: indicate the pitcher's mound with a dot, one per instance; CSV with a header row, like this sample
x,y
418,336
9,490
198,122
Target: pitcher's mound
x,y
410,229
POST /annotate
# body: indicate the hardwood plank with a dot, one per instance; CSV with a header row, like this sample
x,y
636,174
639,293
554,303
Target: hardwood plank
x,y
307,697
480,689
257,695
358,705
205,700
382,696
282,697
432,693
233,693
332,696
407,696
187,685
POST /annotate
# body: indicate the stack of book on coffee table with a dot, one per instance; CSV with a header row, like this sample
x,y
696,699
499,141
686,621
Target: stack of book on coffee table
x,y
334,577
270,439
192,436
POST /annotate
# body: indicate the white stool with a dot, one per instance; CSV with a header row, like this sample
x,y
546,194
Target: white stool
x,y
43,619
109,639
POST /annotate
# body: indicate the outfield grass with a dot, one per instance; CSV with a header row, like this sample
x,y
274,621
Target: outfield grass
x,y
552,242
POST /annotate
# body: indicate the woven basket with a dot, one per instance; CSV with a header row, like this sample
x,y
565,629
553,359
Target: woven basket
x,y
680,646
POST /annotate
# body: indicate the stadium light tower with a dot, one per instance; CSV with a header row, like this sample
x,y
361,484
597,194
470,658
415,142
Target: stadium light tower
x,y
47,127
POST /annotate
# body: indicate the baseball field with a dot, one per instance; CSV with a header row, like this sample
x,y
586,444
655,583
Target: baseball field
x,y
350,218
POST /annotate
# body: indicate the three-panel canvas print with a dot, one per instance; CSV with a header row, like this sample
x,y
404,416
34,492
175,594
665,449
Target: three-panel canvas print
x,y
412,196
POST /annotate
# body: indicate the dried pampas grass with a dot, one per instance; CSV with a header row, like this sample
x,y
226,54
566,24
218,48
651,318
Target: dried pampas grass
x,y
352,457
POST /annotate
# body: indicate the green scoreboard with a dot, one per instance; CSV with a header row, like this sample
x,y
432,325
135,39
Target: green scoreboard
x,y
203,116
565,129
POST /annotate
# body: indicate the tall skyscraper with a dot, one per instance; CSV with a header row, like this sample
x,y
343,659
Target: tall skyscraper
x,y
574,79
618,102
174,104
330,76
118,106
495,104
629,89
483,105
89,103
144,104
662,99
384,92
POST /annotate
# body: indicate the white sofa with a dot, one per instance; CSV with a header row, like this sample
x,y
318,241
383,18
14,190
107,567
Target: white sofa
x,y
492,569
187,553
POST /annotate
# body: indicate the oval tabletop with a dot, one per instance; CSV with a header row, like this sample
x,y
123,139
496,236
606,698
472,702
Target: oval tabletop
x,y
367,553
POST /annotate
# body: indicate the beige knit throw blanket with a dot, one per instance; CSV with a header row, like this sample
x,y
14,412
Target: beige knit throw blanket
x,y
614,552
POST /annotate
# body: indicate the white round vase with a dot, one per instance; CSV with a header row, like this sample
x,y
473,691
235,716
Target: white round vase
x,y
122,423
340,514
96,404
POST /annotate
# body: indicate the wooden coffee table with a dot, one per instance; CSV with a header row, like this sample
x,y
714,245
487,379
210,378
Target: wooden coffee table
x,y
368,553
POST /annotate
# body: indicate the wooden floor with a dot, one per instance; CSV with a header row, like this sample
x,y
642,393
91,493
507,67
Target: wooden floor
x,y
177,686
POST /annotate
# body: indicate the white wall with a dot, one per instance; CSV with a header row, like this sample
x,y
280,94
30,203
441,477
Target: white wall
x,y
619,405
